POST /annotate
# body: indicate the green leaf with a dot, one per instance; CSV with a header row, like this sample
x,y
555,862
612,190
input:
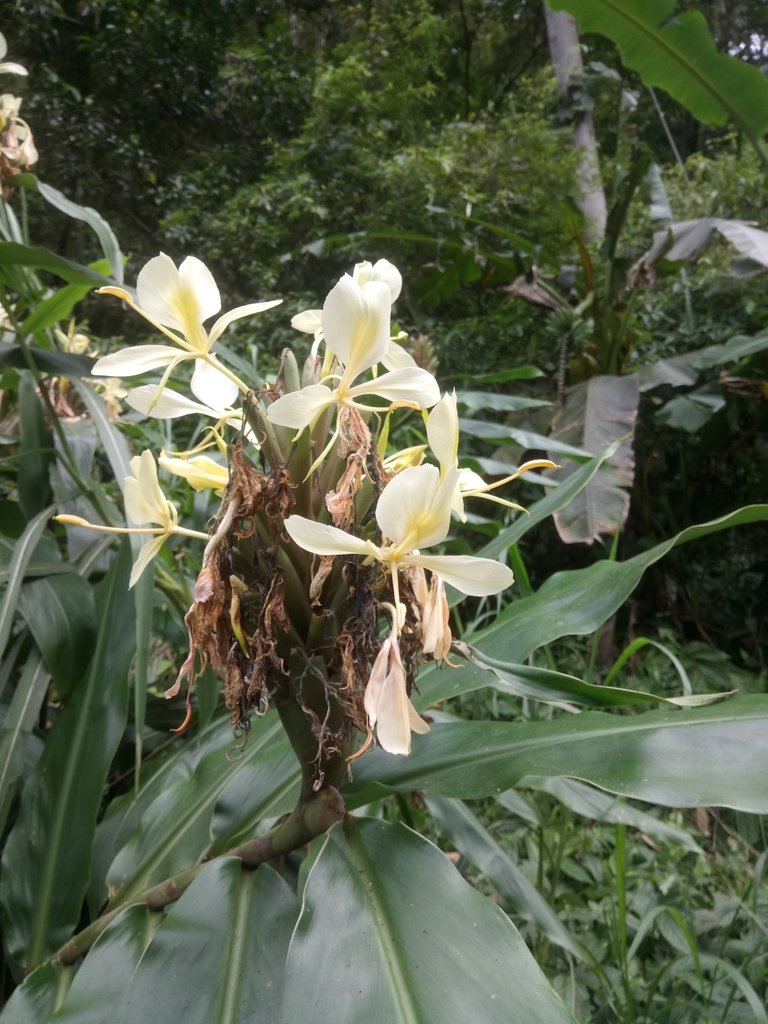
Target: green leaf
x,y
35,450
111,963
23,551
22,715
594,805
46,860
235,923
714,756
60,364
36,1000
104,233
16,254
477,401
390,933
61,616
574,603
55,308
675,52
504,376
473,841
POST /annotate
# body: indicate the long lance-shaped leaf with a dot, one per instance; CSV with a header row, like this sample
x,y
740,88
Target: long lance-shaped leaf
x,y
104,233
716,756
22,555
390,933
675,52
574,603
16,254
36,1001
46,861
22,715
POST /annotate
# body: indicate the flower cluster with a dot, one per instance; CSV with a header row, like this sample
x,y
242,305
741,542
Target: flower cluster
x,y
319,590
17,147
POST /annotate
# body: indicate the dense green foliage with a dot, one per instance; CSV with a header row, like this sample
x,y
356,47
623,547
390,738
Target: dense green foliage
x,y
280,142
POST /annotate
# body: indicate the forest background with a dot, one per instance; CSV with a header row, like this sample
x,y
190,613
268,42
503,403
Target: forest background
x,y
281,143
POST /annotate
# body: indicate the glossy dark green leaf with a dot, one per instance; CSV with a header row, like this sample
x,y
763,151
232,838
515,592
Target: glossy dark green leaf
x,y
473,840
176,829
104,977
46,861
390,933
23,551
35,1001
35,450
61,616
714,756
219,955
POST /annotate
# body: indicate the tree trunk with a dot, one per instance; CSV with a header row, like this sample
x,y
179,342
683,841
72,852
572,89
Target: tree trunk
x,y
569,72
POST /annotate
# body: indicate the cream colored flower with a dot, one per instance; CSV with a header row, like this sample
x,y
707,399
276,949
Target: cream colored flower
x,y
386,701
177,302
200,471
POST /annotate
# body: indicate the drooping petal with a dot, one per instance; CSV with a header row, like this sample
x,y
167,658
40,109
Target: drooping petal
x,y
382,270
129,362
321,539
355,323
147,552
200,471
443,431
409,384
387,704
478,577
300,408
236,314
144,499
212,386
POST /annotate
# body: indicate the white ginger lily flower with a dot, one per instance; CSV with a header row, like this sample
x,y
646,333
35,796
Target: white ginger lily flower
x,y
170,405
355,321
8,67
177,302
386,701
413,512
310,321
144,503
443,437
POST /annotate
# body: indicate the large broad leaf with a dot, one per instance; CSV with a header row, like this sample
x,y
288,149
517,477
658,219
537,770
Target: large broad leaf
x,y
36,1000
16,254
675,52
46,861
597,413
573,603
716,756
234,924
390,933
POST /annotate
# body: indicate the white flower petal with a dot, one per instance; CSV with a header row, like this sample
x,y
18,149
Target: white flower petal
x,y
196,279
322,539
236,314
147,552
213,387
308,322
396,357
168,405
199,471
355,323
144,499
405,501
443,431
469,480
129,362
299,408
478,577
382,270
387,704
409,384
